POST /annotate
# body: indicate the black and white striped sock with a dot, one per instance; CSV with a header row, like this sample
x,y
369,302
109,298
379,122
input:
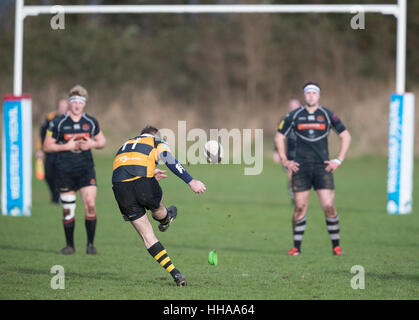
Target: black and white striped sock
x,y
298,232
332,225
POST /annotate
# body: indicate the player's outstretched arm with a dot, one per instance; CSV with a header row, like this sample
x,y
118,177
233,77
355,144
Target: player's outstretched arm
x,y
197,186
176,167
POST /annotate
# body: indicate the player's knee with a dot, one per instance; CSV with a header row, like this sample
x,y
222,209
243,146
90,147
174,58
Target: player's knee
x,y
299,212
69,206
160,213
89,205
330,210
300,208
90,210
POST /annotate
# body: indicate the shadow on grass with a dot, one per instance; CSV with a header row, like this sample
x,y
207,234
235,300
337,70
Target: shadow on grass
x,y
71,274
397,244
16,248
233,249
251,202
392,276
158,281
395,276
361,211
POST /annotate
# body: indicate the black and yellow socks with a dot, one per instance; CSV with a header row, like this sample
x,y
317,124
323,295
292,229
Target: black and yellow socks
x,y
158,252
165,220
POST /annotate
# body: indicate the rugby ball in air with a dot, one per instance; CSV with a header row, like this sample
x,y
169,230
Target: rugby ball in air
x,y
213,151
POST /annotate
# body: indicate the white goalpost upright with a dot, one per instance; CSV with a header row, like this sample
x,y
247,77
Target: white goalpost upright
x,y
400,170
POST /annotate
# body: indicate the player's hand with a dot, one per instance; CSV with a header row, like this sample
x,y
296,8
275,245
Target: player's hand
x,y
72,145
276,157
87,144
197,186
39,154
291,165
332,165
159,174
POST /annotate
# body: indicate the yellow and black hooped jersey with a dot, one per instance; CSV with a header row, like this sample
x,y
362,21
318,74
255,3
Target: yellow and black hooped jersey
x,y
137,158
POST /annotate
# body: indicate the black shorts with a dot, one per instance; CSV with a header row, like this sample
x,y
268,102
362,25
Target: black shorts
x,y
73,181
312,175
134,197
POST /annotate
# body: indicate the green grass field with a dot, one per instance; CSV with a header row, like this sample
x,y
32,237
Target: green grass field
x,y
247,219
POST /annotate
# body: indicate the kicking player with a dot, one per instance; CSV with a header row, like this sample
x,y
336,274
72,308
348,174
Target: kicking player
x,y
136,189
72,136
312,167
293,104
49,164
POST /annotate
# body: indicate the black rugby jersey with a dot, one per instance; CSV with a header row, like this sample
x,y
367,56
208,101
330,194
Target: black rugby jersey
x,y
291,145
44,127
311,131
63,129
43,131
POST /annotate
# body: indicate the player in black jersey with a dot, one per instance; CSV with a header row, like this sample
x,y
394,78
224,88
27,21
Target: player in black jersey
x,y
291,145
72,136
312,167
49,164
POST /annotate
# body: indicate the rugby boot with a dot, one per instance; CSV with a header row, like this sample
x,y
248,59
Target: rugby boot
x,y
67,250
90,249
294,252
337,251
171,213
180,280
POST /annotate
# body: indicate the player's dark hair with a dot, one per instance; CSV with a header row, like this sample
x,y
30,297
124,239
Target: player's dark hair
x,y
311,83
149,129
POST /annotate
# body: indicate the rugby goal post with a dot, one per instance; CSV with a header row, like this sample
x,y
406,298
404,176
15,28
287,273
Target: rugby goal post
x,y
400,177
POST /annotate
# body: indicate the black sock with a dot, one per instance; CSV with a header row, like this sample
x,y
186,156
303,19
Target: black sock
x,y
55,194
298,231
332,225
158,252
69,232
90,229
165,219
